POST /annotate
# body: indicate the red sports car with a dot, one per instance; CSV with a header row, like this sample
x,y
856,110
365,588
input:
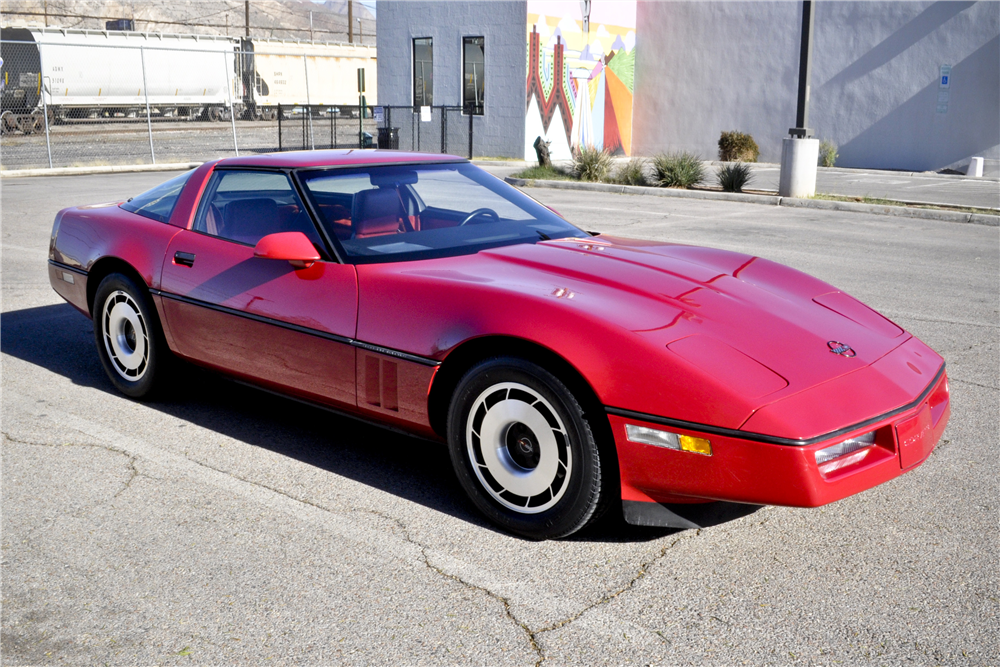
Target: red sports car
x,y
567,371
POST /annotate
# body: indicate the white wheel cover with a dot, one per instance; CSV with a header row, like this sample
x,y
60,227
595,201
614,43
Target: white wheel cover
x,y
121,314
523,490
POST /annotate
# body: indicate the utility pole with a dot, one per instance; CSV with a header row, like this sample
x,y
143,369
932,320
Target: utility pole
x,y
361,32
246,6
350,21
310,25
46,6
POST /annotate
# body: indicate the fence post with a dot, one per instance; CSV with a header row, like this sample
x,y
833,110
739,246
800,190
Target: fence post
x,y
471,116
305,66
444,129
45,109
145,92
280,114
232,109
335,142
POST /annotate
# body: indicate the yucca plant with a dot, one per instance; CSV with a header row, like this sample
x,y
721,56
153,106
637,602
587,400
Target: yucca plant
x,y
591,164
632,172
678,170
735,176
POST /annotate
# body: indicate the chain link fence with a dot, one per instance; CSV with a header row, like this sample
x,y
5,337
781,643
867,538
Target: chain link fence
x,y
80,98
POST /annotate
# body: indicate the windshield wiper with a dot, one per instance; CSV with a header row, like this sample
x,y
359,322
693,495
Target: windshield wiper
x,y
542,235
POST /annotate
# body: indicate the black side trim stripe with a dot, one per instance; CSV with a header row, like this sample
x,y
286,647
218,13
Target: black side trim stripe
x,y
772,439
399,354
66,267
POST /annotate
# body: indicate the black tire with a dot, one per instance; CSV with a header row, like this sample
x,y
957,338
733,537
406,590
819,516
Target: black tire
x,y
128,336
542,476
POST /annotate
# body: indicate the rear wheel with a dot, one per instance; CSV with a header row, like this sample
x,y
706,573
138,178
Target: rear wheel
x,y
128,336
523,449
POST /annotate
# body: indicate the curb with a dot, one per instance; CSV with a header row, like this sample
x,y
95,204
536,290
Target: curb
x,y
871,172
769,200
80,171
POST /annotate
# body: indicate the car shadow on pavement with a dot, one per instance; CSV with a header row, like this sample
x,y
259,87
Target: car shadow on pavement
x,y
61,340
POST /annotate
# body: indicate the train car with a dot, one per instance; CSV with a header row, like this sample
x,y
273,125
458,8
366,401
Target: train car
x,y
293,73
83,73
79,74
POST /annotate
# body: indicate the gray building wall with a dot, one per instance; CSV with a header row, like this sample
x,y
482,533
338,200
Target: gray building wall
x,y
500,131
705,67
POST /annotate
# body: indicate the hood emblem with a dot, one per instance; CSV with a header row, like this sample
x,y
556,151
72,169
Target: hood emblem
x,y
841,349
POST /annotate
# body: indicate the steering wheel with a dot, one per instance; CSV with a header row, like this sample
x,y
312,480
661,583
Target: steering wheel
x,y
478,212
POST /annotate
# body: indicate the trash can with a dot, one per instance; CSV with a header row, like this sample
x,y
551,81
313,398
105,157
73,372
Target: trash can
x,y
366,140
388,137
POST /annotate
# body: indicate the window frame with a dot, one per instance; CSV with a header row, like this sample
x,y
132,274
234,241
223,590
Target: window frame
x,y
482,103
144,212
423,91
327,250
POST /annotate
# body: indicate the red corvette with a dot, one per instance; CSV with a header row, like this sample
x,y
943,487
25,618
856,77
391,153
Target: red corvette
x,y
566,371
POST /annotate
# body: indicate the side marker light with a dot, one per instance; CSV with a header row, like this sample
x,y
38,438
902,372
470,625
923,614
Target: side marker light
x,y
696,445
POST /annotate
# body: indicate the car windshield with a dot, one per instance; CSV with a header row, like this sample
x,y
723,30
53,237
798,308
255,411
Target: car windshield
x,y
159,202
404,212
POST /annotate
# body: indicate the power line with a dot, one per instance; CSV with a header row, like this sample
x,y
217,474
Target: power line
x,y
272,29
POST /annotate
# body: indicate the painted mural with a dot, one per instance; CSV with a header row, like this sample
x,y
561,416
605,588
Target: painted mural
x,y
581,58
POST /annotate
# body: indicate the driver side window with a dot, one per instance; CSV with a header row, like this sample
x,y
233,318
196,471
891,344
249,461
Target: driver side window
x,y
245,206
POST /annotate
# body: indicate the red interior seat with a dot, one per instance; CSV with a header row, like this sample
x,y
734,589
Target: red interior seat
x,y
377,212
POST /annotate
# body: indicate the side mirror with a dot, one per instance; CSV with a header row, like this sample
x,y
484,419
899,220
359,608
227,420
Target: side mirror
x,y
293,247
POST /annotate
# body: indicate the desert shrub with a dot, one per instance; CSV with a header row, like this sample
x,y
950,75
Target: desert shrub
x,y
591,164
632,172
735,176
827,153
737,147
678,170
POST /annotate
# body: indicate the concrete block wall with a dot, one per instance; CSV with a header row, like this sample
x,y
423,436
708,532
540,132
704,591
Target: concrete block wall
x,y
500,131
705,67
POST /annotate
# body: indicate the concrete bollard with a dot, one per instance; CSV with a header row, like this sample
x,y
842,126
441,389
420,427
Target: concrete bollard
x,y
798,167
975,168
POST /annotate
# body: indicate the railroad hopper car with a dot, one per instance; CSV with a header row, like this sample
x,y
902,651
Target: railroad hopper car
x,y
80,74
299,73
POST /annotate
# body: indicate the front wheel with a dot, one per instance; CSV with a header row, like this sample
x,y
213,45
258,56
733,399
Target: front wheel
x,y
128,337
523,450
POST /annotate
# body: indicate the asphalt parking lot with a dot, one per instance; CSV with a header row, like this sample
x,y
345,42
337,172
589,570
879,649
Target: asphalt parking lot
x,y
223,525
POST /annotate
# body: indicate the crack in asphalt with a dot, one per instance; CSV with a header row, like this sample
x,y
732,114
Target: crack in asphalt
x,y
608,597
974,384
134,472
532,640
532,635
408,538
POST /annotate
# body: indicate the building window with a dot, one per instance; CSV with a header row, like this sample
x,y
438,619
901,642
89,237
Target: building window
x,y
473,66
423,72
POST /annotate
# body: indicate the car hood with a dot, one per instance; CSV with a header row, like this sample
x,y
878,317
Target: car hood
x,y
690,333
754,324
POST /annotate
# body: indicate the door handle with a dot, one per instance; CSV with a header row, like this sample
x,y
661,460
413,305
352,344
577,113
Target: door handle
x,y
184,258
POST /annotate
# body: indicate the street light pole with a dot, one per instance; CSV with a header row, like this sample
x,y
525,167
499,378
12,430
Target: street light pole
x,y
801,128
800,152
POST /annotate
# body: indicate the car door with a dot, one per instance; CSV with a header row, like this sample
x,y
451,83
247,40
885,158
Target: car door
x,y
263,320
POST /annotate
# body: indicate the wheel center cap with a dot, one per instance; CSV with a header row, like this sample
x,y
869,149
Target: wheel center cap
x,y
522,446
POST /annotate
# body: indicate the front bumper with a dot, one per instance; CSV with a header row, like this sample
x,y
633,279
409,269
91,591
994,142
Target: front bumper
x,y
758,472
